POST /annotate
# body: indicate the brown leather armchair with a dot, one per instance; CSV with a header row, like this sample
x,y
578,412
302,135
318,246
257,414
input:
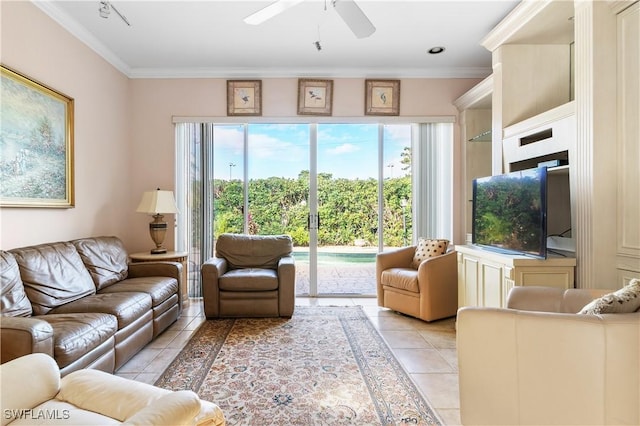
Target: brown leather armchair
x,y
429,292
250,276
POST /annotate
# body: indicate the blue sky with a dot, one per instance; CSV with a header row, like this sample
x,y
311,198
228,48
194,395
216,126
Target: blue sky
x,y
282,150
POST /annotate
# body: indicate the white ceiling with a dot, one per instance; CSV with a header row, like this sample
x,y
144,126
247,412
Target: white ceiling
x,y
210,39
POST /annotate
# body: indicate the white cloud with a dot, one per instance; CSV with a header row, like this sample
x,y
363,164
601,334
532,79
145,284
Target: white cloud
x,y
345,148
398,133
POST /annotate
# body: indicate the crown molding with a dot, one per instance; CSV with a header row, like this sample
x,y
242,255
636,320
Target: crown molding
x,y
78,31
479,72
478,92
513,22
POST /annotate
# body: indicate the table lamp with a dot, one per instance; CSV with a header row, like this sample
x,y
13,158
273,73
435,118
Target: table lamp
x,y
157,203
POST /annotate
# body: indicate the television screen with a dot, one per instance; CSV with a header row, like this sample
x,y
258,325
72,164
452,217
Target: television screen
x,y
509,212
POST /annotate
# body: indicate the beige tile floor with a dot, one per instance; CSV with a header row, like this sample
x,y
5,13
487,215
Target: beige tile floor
x,y
426,350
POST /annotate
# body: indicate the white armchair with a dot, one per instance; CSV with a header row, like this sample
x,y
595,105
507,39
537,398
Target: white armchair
x,y
539,362
34,393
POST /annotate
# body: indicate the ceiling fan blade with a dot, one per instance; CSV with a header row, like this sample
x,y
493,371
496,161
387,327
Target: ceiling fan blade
x,y
354,17
270,11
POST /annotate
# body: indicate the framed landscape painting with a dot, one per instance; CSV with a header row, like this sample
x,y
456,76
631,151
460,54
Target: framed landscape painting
x,y
244,97
36,144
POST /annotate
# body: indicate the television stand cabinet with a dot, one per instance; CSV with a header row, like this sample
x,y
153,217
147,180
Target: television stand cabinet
x,y
485,276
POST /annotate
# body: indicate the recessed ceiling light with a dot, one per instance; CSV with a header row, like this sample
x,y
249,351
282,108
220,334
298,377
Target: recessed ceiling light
x,y
436,50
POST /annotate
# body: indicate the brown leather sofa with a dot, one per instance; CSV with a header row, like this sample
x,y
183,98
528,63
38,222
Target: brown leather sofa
x,y
250,276
83,304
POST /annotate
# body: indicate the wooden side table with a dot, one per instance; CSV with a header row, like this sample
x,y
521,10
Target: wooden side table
x,y
169,256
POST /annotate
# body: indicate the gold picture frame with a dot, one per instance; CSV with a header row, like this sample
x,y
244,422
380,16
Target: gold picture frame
x,y
36,151
244,97
315,97
382,97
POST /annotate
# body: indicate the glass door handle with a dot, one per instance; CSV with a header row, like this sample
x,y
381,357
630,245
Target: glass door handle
x,y
313,221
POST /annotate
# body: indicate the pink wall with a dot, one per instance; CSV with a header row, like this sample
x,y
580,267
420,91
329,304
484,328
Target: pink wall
x,y
155,101
38,47
124,130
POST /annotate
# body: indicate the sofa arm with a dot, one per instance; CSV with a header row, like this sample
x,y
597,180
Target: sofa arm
x,y
106,394
26,383
134,402
519,367
156,269
286,285
24,335
396,258
210,415
176,408
214,268
438,283
211,271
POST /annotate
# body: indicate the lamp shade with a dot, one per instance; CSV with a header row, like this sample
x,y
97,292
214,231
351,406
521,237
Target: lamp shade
x,y
157,202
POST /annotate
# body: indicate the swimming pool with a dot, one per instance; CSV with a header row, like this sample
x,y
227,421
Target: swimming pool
x,y
334,257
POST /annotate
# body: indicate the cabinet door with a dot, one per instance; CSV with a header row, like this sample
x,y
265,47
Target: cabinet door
x,y
559,277
469,280
491,284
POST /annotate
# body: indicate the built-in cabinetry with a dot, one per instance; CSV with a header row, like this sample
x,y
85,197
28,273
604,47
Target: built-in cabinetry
x,y
475,128
628,206
565,87
485,277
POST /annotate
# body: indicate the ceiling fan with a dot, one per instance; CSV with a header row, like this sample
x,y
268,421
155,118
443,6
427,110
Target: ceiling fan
x,y
348,10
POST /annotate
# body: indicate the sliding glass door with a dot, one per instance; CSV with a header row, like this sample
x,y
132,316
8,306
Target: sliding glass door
x,y
342,191
347,208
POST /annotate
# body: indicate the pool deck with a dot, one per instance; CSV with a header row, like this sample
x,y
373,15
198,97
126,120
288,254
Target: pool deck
x,y
339,278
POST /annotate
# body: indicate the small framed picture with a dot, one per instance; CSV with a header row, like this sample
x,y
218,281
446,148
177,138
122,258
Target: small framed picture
x,y
382,97
315,97
244,97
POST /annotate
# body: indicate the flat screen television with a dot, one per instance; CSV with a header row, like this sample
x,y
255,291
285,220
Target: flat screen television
x,y
510,212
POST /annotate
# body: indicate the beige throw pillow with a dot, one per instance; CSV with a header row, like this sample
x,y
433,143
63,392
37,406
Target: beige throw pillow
x,y
623,301
427,248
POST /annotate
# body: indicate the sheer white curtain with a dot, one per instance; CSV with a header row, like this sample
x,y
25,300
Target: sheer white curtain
x,y
193,168
185,134
433,180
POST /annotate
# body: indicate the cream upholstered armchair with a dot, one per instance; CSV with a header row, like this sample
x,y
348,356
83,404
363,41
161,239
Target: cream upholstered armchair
x,y
33,393
419,280
250,276
540,362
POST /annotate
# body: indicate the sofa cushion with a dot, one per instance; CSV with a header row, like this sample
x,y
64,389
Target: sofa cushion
x,y
126,307
105,258
53,274
625,300
249,279
159,288
74,335
13,299
427,248
258,251
401,278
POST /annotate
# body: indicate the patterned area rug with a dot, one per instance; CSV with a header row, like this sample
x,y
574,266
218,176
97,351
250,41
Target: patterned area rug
x,y
324,366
